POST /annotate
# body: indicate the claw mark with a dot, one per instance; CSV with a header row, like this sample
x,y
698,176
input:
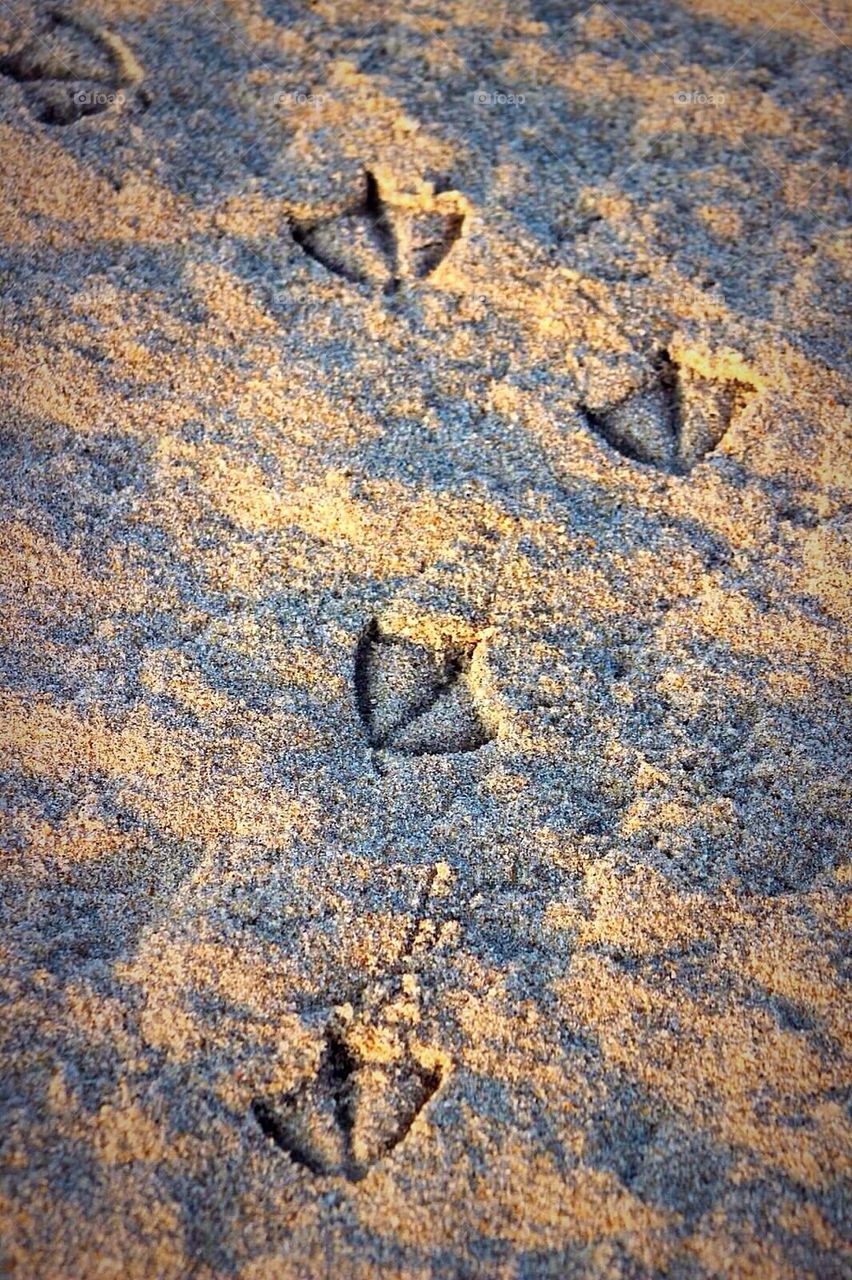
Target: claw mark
x,y
388,236
71,67
417,919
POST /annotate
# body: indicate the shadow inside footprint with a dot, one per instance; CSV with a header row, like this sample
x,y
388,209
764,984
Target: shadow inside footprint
x,y
675,420
427,234
70,68
349,1115
417,700
387,236
357,244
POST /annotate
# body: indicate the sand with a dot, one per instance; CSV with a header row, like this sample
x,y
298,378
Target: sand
x,y
425,631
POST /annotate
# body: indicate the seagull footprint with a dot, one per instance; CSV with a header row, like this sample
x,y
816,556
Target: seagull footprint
x,y
416,700
389,235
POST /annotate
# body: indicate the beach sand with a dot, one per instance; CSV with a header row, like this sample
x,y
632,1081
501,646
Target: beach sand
x,y
425,563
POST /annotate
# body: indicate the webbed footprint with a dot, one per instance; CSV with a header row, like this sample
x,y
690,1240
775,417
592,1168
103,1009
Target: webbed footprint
x,y
388,236
71,67
418,700
350,1114
674,420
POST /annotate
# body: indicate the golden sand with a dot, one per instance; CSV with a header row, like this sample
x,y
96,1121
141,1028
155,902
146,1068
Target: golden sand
x,y
425,570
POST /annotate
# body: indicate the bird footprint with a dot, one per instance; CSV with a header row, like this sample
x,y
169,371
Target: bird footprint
x,y
675,420
388,236
350,1114
418,700
71,67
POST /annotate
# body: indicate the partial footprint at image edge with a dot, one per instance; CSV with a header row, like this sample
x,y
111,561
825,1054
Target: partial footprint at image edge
x,y
70,68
